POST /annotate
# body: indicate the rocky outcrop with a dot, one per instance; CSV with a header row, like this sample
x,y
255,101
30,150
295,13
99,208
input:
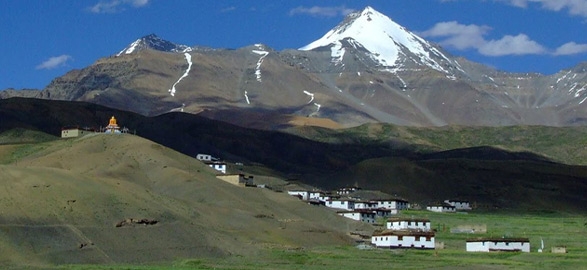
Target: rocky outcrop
x,y
134,221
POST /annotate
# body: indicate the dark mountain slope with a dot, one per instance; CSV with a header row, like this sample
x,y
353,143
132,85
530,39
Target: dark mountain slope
x,y
489,176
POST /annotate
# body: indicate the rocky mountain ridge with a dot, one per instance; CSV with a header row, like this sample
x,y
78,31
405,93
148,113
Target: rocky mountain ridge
x,y
367,69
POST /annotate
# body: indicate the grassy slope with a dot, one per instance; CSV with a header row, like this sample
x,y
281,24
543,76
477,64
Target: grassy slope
x,y
555,229
73,192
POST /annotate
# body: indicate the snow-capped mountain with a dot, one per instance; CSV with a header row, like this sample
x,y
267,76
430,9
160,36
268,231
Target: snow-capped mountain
x,y
387,43
154,42
366,69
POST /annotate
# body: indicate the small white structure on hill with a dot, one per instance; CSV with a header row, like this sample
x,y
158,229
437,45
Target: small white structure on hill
x,y
459,204
217,165
205,157
72,132
498,244
417,224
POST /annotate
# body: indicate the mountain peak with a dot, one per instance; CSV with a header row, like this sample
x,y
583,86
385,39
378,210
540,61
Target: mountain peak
x,y
153,42
389,43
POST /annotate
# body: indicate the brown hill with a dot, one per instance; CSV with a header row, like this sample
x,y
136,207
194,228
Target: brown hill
x,y
124,199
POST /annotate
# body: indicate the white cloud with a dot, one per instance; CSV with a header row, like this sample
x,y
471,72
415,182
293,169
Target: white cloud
x,y
457,35
573,7
512,45
138,3
461,37
571,48
317,11
113,6
54,62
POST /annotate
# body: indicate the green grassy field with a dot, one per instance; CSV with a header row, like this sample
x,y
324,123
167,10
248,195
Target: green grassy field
x,y
556,229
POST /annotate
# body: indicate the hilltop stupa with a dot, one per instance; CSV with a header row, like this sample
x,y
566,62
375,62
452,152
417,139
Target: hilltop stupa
x,y
112,126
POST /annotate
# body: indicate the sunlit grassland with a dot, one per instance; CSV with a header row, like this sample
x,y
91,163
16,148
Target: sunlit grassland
x,y
555,229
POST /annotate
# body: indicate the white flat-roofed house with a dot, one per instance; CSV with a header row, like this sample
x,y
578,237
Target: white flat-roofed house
x,y
393,204
302,194
403,239
459,204
364,215
217,165
314,195
305,194
365,205
441,208
498,244
340,204
204,157
417,224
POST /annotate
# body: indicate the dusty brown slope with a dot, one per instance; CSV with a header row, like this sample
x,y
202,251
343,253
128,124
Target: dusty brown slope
x,y
61,205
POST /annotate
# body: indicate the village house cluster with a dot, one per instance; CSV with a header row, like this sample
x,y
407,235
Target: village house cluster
x,y
399,232
354,208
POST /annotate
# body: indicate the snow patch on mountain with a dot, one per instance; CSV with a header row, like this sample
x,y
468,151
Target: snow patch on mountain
x,y
188,58
260,51
311,96
154,42
247,97
131,48
337,52
383,38
317,107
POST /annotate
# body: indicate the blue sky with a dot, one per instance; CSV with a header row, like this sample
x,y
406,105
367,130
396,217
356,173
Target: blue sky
x,y
42,39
